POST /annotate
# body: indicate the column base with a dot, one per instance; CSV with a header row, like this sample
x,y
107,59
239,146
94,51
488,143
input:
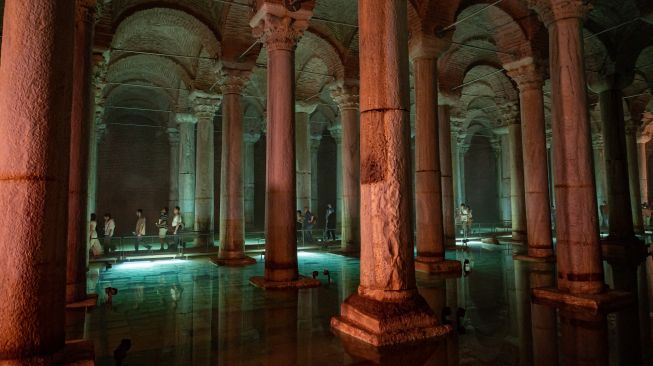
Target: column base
x,y
585,304
442,267
530,258
79,352
233,262
301,282
380,323
89,302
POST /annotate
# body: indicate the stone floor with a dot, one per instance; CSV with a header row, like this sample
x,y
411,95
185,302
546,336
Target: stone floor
x,y
190,312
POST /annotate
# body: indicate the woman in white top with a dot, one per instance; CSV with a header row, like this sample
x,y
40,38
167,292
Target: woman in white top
x,y
177,225
94,242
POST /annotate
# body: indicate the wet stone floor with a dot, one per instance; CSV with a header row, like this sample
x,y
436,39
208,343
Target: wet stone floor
x,y
190,312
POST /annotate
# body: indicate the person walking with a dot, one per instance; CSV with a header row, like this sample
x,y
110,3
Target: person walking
x,y
140,230
94,243
162,225
465,220
109,229
330,223
309,222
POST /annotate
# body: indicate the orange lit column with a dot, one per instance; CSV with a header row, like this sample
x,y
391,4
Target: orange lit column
x,y
279,30
232,216
35,104
536,179
387,308
204,105
424,50
82,105
346,96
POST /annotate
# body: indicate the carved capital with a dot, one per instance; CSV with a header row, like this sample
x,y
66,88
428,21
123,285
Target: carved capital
x,y
277,27
232,81
550,11
336,133
204,104
424,45
526,74
345,96
303,107
173,136
251,138
597,141
85,11
186,118
509,114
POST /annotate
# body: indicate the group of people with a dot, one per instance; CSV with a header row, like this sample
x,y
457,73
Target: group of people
x,y
306,221
161,225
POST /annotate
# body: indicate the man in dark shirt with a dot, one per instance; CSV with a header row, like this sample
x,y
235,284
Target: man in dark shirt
x,y
309,221
330,223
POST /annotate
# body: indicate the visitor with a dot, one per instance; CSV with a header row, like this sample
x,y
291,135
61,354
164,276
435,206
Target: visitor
x,y
140,230
604,214
162,225
467,267
109,229
646,214
309,221
465,220
94,242
330,223
177,226
299,224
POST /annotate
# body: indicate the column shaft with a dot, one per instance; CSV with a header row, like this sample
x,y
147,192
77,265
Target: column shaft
x,y
643,173
350,232
248,161
446,174
517,203
79,151
187,168
204,160
315,149
632,152
35,105
173,193
303,156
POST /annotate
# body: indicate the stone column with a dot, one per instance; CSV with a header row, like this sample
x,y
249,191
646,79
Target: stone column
x,y
232,217
632,154
599,171
643,167
186,123
35,104
502,153
81,114
250,140
303,153
99,84
346,96
446,174
517,202
173,194
461,150
536,177
336,133
424,50
204,105
315,149
387,308
279,30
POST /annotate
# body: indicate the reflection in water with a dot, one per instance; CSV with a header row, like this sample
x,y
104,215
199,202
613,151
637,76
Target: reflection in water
x,y
193,313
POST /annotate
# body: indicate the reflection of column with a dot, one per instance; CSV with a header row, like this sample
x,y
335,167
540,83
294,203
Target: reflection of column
x,y
79,152
536,190
35,101
446,173
173,195
583,340
599,169
387,295
428,186
632,152
248,161
543,318
279,34
315,149
303,154
232,217
204,105
346,96
523,314
186,184
336,133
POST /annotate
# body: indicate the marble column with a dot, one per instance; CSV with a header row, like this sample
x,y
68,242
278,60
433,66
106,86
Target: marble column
x,y
459,166
250,139
643,168
424,50
173,193
502,154
279,30
81,114
347,98
303,153
232,216
35,104
536,177
446,175
599,172
99,83
204,106
186,123
315,149
632,154
517,202
387,309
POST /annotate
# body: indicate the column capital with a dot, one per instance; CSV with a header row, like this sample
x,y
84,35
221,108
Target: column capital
x,y
85,11
510,114
186,118
526,74
346,96
204,104
303,107
336,132
429,46
100,130
173,136
280,28
251,138
550,11
232,80
632,126
316,140
597,141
